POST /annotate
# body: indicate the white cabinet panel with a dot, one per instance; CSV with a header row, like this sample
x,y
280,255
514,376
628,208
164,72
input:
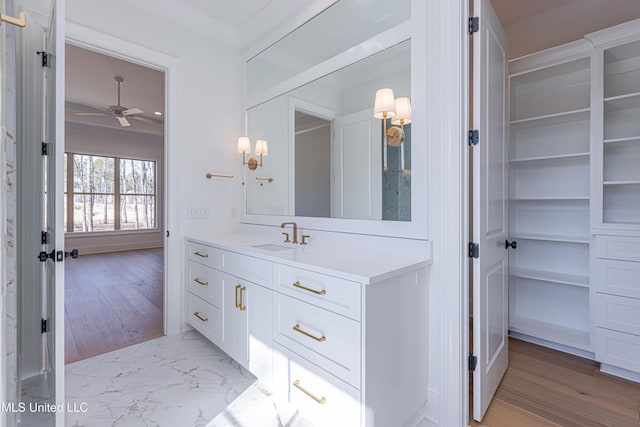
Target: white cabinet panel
x,y
318,395
206,318
622,248
617,277
618,313
618,349
205,282
203,254
327,339
253,269
332,293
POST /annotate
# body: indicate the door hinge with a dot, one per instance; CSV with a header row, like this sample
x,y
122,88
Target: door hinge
x,y
474,250
473,362
474,24
45,58
45,149
43,238
474,137
167,233
44,326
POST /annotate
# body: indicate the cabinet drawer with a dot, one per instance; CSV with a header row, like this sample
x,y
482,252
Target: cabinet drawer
x,y
617,313
205,282
319,396
617,277
255,270
329,340
205,318
622,248
335,294
618,349
203,254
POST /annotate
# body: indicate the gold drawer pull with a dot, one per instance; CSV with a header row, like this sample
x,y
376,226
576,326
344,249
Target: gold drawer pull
x,y
237,289
321,400
298,285
201,255
297,328
200,282
199,316
242,307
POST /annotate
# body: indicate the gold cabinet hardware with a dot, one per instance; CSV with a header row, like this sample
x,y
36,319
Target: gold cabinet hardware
x,y
297,328
242,306
201,255
304,239
199,316
298,285
269,180
200,282
20,21
320,400
237,289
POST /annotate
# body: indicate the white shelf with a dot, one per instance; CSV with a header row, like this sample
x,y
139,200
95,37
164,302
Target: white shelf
x,y
571,337
632,182
554,157
622,102
551,276
550,199
551,238
626,139
564,114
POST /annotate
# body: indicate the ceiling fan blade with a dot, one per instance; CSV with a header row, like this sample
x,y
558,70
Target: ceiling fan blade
x,y
123,122
91,114
80,106
134,110
146,120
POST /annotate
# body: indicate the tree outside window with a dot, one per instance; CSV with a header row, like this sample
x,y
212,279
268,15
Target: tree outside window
x,y
109,193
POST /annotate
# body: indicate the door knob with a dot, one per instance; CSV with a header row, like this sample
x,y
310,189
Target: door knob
x,y
73,253
512,245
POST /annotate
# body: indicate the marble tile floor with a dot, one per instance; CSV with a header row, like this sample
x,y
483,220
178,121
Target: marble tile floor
x,y
175,381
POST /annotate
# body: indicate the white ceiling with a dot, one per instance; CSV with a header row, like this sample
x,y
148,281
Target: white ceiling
x,y
530,26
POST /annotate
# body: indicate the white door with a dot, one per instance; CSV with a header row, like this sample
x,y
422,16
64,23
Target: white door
x,y
490,195
53,191
357,166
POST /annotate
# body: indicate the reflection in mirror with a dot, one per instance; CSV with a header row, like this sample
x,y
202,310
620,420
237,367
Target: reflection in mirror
x,y
344,24
326,147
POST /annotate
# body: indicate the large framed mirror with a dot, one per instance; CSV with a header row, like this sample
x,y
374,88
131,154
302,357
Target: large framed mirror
x,y
332,163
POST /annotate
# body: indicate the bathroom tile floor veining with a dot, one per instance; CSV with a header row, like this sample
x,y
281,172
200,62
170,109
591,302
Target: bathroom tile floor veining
x,y
179,380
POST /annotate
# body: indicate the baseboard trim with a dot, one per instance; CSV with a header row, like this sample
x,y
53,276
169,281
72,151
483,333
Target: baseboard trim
x,y
620,372
555,346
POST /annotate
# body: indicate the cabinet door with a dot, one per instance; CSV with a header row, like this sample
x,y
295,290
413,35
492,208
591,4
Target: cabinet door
x,y
235,319
259,314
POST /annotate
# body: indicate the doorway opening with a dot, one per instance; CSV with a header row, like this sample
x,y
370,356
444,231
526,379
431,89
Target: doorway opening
x,y
114,203
548,322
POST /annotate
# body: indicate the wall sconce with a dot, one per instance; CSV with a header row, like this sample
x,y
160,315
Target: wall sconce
x,y
244,147
384,107
403,117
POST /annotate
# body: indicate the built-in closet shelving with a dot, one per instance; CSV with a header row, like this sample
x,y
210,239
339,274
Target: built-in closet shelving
x,y
549,204
621,134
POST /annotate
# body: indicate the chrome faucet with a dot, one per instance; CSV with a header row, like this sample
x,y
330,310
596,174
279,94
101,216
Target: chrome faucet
x,y
295,230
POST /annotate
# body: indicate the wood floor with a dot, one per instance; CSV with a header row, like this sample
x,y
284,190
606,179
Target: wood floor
x,y
112,300
544,387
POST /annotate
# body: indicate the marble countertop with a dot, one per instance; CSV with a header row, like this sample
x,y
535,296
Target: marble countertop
x,y
361,265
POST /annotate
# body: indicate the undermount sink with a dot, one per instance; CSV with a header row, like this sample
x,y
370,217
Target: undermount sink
x,y
273,247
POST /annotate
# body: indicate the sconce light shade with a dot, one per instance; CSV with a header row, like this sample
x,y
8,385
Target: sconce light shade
x,y
244,145
262,148
403,112
384,104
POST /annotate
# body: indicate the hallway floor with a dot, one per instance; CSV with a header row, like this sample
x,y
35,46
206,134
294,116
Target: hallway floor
x,y
112,300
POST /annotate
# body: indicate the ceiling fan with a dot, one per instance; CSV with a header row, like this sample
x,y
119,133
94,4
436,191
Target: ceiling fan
x,y
118,111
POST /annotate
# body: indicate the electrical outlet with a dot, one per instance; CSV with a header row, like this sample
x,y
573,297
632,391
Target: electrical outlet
x,y
197,212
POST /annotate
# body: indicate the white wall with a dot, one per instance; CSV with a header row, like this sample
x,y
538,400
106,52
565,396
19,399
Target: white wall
x,y
313,177
210,96
103,141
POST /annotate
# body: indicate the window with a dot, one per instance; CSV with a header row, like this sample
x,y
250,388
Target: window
x,y
109,193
